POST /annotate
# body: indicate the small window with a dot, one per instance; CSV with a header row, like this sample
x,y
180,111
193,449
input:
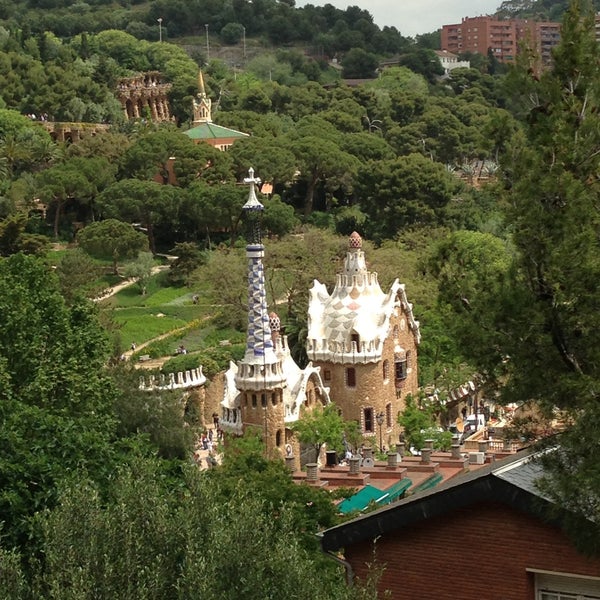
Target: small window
x,y
263,400
274,398
351,377
368,418
355,338
327,375
400,369
386,370
388,414
278,438
254,401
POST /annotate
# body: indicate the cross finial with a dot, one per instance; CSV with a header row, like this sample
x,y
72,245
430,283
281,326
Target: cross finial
x,y
252,203
251,178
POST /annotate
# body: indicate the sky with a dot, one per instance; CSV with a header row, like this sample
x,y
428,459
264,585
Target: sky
x,y
412,17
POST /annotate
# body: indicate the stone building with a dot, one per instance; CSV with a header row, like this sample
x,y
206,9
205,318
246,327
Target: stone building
x,y
266,390
204,130
365,343
145,97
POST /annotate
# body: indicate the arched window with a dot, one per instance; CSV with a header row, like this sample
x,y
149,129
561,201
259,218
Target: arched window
x,y
254,400
388,414
263,400
278,438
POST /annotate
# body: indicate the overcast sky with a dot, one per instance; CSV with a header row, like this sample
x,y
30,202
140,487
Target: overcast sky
x,y
411,17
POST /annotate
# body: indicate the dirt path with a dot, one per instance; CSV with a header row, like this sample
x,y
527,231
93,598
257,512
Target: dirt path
x,y
126,283
153,363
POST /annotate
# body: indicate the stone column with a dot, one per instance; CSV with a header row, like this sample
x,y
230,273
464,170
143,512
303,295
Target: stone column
x,y
429,444
401,449
312,472
290,462
160,109
354,465
426,456
166,114
367,452
392,458
507,445
455,452
153,110
483,446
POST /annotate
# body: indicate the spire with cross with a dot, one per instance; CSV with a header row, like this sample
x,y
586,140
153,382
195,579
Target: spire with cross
x,y
258,341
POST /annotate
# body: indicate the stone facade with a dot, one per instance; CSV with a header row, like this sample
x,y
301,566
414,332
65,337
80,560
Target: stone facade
x,y
145,97
365,343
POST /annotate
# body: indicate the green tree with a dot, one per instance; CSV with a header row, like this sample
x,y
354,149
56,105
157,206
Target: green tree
x,y
140,269
55,398
148,203
319,158
359,64
112,240
325,426
279,218
76,272
189,258
547,312
420,424
14,237
399,193
189,538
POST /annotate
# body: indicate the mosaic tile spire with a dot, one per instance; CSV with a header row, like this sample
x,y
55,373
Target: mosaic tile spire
x,y
259,344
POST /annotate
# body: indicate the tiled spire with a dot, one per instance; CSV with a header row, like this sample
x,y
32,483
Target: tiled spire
x,y
259,343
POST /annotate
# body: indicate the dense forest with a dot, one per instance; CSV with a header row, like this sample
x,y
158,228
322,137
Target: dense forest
x,y
479,190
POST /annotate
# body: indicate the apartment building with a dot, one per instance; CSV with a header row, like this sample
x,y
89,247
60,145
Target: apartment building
x,y
501,37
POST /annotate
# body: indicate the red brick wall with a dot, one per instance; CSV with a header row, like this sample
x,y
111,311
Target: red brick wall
x,y
478,553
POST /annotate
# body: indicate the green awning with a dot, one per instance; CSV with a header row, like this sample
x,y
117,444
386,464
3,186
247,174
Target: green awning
x,y
362,499
397,490
429,483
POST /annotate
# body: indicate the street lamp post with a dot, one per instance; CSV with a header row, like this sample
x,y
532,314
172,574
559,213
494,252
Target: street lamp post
x,y
380,416
159,29
207,43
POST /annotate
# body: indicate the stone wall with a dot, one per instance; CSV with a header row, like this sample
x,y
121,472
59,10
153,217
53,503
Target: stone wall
x,y
372,390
